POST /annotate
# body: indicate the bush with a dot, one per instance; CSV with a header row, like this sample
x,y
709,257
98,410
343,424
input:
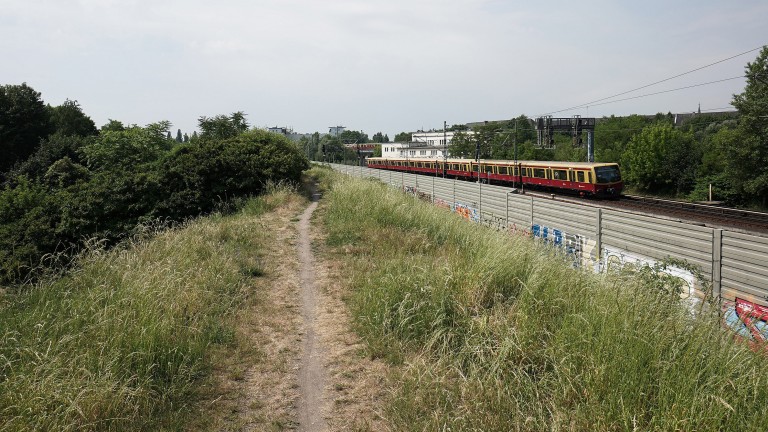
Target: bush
x,y
79,188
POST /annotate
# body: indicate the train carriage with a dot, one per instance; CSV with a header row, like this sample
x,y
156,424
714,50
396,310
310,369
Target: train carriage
x,y
602,180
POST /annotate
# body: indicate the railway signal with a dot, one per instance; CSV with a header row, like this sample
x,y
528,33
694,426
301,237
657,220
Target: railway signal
x,y
547,126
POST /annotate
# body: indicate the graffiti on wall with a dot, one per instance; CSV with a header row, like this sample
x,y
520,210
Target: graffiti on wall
x,y
580,248
616,258
748,320
494,221
466,211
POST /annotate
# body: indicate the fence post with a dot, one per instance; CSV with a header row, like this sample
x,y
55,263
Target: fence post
x,y
599,235
506,209
433,189
480,199
453,197
717,263
530,226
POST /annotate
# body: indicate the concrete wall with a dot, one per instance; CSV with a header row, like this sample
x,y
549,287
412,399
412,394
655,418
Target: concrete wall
x,y
733,266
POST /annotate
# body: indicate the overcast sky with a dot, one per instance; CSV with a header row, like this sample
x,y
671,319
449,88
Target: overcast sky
x,y
382,65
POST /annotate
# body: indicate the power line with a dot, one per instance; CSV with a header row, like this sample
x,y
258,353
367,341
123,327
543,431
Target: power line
x,y
657,82
667,91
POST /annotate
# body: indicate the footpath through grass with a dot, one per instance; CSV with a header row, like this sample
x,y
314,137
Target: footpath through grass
x,y
121,342
499,333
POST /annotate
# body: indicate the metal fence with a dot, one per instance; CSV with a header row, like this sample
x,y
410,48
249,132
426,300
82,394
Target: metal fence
x,y
734,265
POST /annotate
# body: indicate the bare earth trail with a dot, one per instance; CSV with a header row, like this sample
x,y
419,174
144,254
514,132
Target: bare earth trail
x,y
297,364
312,405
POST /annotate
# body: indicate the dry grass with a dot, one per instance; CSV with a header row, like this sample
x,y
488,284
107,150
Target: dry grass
x,y
500,333
123,340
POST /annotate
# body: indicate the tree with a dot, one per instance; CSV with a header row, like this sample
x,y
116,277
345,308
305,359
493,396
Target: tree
x,y
114,126
332,149
179,137
378,137
52,149
350,136
186,137
223,126
403,137
24,121
661,159
612,134
69,119
746,149
462,145
198,177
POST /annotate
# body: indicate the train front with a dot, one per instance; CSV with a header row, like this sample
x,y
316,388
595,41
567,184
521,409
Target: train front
x,y
608,182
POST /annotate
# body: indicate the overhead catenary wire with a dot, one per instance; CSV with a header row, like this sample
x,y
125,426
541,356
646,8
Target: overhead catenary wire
x,y
668,91
594,102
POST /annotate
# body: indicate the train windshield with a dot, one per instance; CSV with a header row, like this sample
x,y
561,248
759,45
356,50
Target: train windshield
x,y
607,174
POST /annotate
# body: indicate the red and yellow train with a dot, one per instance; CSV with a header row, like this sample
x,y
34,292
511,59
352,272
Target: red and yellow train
x,y
602,180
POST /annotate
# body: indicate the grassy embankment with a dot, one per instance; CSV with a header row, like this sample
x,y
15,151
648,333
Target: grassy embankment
x,y
122,341
498,333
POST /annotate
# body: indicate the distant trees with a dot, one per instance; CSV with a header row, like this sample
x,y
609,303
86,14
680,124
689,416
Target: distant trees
x,y
379,138
223,126
497,140
661,158
403,137
24,121
350,136
745,148
69,119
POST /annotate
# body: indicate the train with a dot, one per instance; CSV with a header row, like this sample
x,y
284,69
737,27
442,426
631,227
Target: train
x,y
587,179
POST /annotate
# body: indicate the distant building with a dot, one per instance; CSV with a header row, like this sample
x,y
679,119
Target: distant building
x,y
431,145
289,133
279,130
336,130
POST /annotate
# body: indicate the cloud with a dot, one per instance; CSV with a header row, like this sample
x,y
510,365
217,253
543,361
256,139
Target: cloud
x,y
372,65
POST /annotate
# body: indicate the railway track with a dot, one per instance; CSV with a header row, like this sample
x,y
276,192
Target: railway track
x,y
700,214
709,215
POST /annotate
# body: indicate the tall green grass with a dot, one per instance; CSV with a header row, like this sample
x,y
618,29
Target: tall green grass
x,y
498,332
120,342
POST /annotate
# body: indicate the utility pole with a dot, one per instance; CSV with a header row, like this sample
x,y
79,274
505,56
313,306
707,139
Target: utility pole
x,y
445,146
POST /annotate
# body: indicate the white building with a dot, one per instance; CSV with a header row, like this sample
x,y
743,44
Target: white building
x,y
430,145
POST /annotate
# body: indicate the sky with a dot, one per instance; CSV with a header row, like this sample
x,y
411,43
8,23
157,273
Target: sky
x,y
376,66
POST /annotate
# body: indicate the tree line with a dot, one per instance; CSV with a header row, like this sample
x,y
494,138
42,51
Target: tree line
x,y
64,181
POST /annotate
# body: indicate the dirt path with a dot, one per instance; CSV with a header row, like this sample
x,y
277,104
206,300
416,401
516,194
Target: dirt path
x,y
296,364
312,405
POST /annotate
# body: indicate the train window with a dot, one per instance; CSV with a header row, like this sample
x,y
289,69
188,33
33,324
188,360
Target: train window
x,y
589,177
607,174
539,173
474,168
455,167
580,176
489,169
560,174
503,170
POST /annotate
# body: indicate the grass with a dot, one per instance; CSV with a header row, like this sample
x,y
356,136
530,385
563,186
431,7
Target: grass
x,y
494,332
122,341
